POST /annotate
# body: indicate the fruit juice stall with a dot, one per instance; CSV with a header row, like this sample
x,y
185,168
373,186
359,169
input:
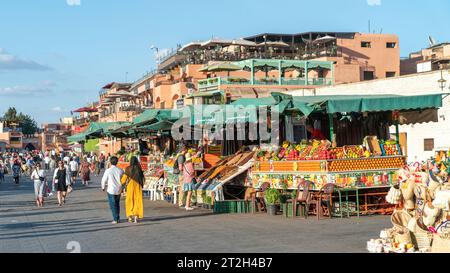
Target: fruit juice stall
x,y
366,166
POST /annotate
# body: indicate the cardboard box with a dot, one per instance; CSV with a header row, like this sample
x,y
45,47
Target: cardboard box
x,y
373,145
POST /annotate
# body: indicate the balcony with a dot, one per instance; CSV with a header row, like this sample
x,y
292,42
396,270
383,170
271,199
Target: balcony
x,y
132,108
215,83
81,121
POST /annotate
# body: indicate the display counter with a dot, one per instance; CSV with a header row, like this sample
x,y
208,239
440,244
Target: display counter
x,y
347,173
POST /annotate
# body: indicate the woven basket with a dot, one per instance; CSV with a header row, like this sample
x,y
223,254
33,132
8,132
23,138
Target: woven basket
x,y
422,239
403,236
400,219
441,243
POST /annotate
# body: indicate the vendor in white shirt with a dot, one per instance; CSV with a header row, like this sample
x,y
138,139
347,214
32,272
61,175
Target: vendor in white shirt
x,y
111,182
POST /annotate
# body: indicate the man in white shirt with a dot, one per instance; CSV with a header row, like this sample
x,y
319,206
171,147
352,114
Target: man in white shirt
x,y
112,180
73,165
47,162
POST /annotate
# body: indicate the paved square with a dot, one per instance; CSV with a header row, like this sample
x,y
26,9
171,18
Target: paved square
x,y
86,219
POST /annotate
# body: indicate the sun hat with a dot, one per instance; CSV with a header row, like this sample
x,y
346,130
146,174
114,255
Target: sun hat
x,y
188,157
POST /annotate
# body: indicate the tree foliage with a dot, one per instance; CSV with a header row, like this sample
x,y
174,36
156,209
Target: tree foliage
x,y
26,122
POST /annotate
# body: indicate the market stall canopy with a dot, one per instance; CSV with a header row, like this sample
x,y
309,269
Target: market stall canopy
x,y
152,115
346,103
164,125
375,103
77,138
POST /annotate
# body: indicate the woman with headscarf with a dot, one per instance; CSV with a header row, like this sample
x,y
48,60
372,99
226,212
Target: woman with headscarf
x,y
134,180
84,172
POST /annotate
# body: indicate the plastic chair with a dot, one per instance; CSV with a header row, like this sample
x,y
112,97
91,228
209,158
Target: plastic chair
x,y
260,199
323,200
303,198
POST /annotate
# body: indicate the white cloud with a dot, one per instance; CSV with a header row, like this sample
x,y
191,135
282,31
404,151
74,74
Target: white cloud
x,y
11,62
73,2
57,109
40,89
374,2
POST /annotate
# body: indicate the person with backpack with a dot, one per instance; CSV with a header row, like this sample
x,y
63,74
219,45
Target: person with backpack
x,y
39,177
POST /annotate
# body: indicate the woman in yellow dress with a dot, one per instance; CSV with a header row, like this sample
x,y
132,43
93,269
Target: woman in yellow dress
x,y
134,178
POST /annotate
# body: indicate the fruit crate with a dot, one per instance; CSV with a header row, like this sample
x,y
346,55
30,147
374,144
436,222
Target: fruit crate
x,y
288,209
232,206
384,151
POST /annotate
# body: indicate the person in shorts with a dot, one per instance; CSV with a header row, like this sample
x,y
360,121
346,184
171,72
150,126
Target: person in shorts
x,y
74,168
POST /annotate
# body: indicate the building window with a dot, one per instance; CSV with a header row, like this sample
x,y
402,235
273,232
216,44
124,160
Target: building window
x,y
368,75
390,74
428,144
366,44
391,45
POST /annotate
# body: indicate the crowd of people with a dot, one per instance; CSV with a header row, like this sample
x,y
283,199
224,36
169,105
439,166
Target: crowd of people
x,y
64,167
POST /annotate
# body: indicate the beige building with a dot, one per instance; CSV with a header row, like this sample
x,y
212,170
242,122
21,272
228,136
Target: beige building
x,y
433,58
12,137
54,136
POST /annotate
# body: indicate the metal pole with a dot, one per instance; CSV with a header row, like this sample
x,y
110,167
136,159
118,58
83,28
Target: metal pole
x,y
330,120
252,68
306,72
397,134
279,70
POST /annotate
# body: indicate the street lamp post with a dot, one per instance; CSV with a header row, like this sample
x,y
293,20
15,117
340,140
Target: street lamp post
x,y
442,82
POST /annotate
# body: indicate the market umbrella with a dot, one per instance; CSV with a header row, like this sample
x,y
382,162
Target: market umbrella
x,y
274,44
221,67
324,39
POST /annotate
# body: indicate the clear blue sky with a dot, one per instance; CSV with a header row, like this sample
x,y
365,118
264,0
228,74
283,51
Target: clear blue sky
x,y
54,57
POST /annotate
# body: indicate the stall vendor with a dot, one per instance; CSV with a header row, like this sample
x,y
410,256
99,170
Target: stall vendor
x,y
315,133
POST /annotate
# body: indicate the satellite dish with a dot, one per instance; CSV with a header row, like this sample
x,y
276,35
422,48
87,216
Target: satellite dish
x,y
432,41
190,85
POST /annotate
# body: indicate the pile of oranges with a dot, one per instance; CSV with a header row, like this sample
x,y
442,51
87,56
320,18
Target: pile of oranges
x,y
376,163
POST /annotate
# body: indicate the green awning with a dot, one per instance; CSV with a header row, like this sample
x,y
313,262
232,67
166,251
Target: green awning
x,y
155,127
154,115
77,138
344,103
371,103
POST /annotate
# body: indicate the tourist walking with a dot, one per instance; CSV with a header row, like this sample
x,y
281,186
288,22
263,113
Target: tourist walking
x,y
133,178
92,167
188,180
2,171
16,169
47,160
53,164
59,179
112,182
39,178
73,165
85,173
